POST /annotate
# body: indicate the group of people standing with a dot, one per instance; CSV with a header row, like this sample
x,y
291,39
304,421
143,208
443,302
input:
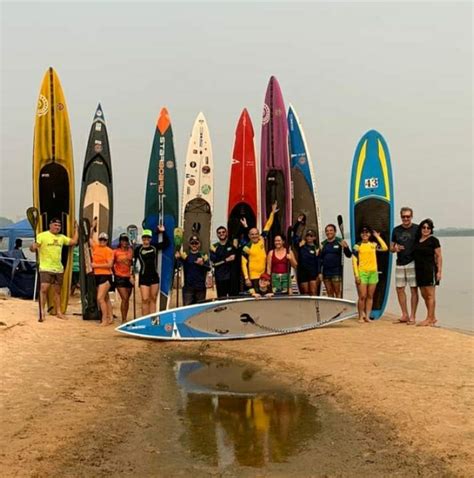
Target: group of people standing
x,y
244,265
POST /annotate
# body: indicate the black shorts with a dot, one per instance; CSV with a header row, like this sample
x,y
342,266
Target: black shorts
x,y
304,275
102,279
148,280
123,282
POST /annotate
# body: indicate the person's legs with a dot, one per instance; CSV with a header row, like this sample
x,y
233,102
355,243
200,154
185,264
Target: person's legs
x,y
369,301
102,292
402,300
337,286
110,310
428,294
188,296
304,288
145,294
362,291
154,288
199,295
413,303
44,287
313,287
124,293
57,300
329,287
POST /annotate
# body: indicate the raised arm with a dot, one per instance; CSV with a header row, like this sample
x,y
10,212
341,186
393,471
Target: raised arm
x,y
382,245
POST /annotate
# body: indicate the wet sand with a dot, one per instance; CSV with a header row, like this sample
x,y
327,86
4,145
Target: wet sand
x,y
81,400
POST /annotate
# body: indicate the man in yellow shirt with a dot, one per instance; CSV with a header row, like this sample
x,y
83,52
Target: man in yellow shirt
x,y
254,255
50,245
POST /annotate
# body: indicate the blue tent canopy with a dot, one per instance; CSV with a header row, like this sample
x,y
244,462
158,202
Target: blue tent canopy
x,y
21,229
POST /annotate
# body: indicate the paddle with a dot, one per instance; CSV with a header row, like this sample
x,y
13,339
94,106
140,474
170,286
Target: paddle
x,y
289,240
33,218
178,234
132,232
340,223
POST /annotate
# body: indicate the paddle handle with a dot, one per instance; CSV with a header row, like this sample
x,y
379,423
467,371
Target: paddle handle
x,y
33,218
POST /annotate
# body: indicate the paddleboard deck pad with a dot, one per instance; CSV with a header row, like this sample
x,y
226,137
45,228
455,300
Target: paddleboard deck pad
x,y
241,318
372,204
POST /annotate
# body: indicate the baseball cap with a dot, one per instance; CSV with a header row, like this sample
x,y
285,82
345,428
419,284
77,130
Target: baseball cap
x,y
265,276
194,238
103,235
124,237
310,232
147,233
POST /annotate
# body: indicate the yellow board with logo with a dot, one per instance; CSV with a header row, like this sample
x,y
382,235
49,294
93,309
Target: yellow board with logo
x,y
53,169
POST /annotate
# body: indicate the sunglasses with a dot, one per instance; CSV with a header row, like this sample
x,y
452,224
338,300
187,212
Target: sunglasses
x,y
406,217
194,243
102,239
221,232
426,227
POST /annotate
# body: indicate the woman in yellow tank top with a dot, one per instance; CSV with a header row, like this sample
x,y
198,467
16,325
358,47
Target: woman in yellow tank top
x,y
364,263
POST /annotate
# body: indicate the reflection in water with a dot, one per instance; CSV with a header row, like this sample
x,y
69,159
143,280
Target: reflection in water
x,y
235,415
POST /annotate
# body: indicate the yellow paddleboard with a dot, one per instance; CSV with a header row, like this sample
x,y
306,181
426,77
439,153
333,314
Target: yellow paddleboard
x,y
53,169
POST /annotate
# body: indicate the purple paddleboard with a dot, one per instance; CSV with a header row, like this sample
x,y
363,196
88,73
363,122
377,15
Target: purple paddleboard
x,y
275,163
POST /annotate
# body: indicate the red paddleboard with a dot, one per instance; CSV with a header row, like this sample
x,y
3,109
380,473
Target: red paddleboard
x,y
243,195
243,178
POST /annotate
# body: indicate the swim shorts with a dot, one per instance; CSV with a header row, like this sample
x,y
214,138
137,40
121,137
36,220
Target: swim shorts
x,y
280,282
369,277
405,275
102,279
51,278
123,282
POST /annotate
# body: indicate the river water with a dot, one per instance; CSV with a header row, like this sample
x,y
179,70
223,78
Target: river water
x,y
455,302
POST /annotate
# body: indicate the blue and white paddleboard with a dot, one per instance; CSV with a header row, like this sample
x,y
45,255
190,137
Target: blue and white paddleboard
x,y
371,203
305,195
241,318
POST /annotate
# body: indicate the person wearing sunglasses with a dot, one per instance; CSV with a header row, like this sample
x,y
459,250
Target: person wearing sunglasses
x,y
331,252
364,263
102,265
223,256
49,245
148,277
428,268
403,243
124,280
196,266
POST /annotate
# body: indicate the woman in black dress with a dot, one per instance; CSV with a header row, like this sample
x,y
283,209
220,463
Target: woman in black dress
x,y
428,265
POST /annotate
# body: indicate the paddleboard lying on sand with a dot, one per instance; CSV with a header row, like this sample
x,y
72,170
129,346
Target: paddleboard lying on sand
x,y
198,188
241,318
305,198
161,200
274,162
243,193
53,170
96,202
371,203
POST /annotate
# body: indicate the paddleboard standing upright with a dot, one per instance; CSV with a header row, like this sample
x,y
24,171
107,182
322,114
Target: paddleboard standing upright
x,y
53,170
96,203
371,203
243,192
275,168
305,196
161,201
198,188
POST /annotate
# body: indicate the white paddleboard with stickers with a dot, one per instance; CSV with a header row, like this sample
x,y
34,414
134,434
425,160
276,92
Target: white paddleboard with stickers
x,y
198,187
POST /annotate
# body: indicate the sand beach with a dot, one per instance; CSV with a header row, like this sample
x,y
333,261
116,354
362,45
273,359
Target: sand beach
x,y
72,397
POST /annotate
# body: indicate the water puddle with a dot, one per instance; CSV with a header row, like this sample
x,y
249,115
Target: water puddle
x,y
236,415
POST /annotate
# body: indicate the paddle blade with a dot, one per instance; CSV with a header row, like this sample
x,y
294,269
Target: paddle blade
x,y
132,232
33,217
178,237
340,223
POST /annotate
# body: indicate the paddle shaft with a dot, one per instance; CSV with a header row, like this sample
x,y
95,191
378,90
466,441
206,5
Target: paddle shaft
x,y
132,231
340,223
33,215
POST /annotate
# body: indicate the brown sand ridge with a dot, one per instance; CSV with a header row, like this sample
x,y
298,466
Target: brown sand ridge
x,y
71,394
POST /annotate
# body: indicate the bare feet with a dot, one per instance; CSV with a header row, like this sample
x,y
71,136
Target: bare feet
x,y
412,321
402,320
433,322
366,320
424,323
361,321
61,316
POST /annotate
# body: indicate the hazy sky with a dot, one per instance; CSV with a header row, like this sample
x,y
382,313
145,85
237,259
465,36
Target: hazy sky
x,y
404,69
